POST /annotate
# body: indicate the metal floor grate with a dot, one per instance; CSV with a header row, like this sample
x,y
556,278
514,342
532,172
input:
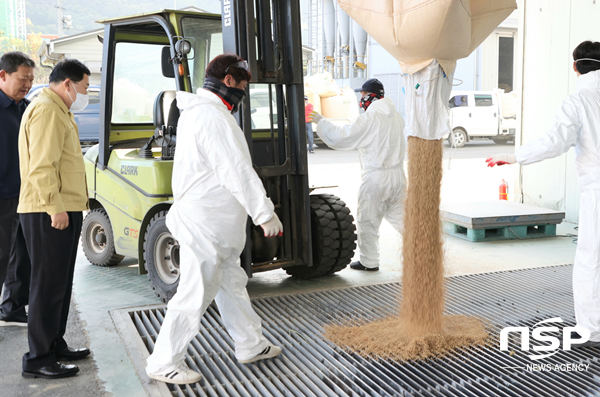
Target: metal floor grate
x,y
311,366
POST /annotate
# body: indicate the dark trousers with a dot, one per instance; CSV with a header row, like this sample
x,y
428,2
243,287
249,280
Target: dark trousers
x,y
53,253
15,268
310,136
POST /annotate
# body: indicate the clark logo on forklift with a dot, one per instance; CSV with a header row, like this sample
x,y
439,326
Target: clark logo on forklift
x,y
129,170
554,345
131,232
227,12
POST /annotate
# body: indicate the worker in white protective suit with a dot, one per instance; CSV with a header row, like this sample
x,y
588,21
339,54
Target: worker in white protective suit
x,y
378,134
215,189
577,123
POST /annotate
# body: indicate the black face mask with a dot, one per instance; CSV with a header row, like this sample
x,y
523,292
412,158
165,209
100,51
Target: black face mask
x,y
231,95
368,99
235,96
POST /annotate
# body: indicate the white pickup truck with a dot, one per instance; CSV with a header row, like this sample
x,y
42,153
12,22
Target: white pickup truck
x,y
482,114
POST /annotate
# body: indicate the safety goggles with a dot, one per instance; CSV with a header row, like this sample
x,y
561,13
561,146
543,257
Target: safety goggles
x,y
586,59
239,65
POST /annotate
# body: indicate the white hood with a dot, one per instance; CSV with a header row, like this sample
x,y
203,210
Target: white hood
x,y
384,106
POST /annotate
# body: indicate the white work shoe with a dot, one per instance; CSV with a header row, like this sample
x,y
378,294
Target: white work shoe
x,y
269,352
180,376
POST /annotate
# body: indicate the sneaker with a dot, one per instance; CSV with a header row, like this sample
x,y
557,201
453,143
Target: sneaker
x,y
358,266
14,321
311,151
269,352
180,376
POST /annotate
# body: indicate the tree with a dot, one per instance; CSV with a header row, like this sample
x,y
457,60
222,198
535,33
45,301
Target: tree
x,y
29,47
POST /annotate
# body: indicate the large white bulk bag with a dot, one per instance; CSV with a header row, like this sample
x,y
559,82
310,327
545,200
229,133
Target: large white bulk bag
x,y
313,98
323,84
417,31
343,106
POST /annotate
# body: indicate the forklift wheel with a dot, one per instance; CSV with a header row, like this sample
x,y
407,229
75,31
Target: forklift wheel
x,y
97,239
161,253
333,237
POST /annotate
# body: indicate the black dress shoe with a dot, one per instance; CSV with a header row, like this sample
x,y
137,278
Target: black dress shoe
x,y
72,354
359,266
52,371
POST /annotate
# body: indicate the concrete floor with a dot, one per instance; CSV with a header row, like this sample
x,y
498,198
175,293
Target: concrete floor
x,y
97,291
13,344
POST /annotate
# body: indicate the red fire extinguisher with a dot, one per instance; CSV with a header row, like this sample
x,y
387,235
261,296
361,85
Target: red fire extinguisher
x,y
503,190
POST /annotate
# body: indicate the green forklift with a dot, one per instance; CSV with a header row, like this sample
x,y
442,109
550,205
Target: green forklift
x,y
146,59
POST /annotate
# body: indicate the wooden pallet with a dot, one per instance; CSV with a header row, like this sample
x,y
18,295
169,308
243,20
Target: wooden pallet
x,y
520,232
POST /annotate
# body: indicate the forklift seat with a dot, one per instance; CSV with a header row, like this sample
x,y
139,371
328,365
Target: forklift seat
x,y
165,104
166,116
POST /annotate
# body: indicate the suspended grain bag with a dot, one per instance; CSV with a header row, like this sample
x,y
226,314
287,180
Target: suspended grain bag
x,y
415,31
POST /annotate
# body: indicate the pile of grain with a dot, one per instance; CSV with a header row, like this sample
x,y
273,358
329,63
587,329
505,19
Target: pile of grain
x,y
390,338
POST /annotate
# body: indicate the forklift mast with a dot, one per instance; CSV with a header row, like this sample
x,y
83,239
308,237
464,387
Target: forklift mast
x,y
267,34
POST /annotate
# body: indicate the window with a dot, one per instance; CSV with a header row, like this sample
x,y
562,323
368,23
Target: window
x,y
138,80
260,100
458,101
34,94
94,97
207,43
94,102
259,103
505,63
483,100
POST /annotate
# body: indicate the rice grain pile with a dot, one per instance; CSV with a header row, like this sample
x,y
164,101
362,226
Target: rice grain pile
x,y
421,331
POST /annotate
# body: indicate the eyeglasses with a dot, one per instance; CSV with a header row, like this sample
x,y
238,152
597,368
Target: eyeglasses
x,y
87,90
239,65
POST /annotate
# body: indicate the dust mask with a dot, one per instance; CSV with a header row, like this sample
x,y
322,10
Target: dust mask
x,y
81,101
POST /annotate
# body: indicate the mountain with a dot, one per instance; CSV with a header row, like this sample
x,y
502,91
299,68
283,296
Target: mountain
x,y
42,14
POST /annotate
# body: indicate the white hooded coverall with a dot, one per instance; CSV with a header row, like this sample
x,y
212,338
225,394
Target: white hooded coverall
x,y
215,188
378,134
577,123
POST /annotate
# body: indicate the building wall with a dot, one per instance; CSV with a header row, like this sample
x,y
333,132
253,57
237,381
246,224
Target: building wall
x,y
465,73
86,49
549,36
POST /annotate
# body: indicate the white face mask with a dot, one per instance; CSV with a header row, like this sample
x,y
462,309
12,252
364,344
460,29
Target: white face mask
x,y
81,101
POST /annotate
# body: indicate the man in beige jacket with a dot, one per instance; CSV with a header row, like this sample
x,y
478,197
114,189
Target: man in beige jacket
x,y
52,198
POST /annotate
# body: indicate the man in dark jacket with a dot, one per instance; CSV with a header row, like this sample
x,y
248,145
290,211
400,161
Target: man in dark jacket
x,y
16,78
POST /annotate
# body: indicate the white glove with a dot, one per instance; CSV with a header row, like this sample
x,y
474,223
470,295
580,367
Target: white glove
x,y
501,159
315,117
273,226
